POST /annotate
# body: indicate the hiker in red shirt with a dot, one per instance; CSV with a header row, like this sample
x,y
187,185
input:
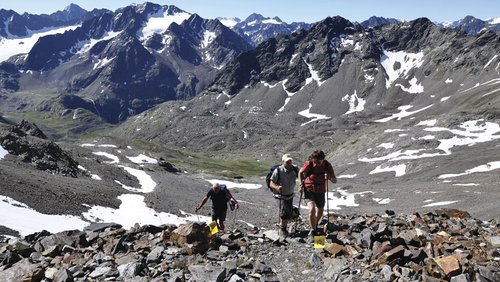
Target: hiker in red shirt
x,y
313,176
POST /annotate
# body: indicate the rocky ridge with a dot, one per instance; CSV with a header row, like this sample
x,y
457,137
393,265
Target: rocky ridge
x,y
30,144
445,245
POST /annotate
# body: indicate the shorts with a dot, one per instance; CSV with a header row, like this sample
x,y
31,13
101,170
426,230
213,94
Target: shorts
x,y
219,214
317,198
286,206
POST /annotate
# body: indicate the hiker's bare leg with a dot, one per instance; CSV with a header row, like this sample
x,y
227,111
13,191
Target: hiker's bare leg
x,y
319,214
312,214
284,223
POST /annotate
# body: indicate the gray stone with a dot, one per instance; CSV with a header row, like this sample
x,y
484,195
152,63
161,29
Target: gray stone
x,y
22,270
63,275
98,227
100,271
464,277
387,273
207,273
155,254
495,241
366,238
315,260
334,268
488,273
129,270
236,278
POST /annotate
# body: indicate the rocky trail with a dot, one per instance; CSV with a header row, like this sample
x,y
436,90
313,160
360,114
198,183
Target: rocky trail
x,y
444,245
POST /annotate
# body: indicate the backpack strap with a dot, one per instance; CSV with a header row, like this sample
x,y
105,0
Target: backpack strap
x,y
310,168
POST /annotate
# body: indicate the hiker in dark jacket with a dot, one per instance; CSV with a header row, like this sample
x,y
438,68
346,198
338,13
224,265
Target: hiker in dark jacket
x,y
283,183
312,181
220,196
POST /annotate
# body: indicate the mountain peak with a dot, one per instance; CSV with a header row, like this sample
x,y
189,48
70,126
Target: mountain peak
x,y
73,7
255,17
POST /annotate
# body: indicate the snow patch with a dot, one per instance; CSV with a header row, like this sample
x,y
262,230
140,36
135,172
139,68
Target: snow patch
x,y
159,22
356,104
3,152
482,168
400,169
13,45
398,64
444,203
403,113
141,159
314,117
208,38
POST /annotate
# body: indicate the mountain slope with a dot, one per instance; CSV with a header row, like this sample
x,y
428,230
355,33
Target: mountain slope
x,y
119,64
405,103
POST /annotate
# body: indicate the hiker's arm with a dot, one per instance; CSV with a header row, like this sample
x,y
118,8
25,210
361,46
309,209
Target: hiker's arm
x,y
331,174
301,179
202,203
276,187
333,179
232,199
234,202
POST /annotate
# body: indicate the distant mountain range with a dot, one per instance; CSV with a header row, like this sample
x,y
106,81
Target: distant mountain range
x,y
473,26
109,66
119,64
257,28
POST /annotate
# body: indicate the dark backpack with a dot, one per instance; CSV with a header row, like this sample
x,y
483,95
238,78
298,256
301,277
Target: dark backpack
x,y
270,173
229,197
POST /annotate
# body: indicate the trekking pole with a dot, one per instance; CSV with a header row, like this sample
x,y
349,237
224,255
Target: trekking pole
x,y
327,206
197,216
234,219
279,216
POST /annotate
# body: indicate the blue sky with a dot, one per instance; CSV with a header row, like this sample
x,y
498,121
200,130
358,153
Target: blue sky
x,y
293,10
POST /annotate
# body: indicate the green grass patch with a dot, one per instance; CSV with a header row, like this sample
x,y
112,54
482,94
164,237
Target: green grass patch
x,y
233,168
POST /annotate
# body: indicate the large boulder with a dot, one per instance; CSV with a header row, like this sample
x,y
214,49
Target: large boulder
x,y
193,235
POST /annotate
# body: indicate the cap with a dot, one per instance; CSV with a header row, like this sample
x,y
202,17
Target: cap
x,y
286,158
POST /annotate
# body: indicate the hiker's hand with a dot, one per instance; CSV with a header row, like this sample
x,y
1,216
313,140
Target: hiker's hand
x,y
301,187
196,209
280,189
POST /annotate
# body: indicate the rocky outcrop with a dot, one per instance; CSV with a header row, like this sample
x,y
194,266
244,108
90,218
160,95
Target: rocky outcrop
x,y
29,143
446,245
